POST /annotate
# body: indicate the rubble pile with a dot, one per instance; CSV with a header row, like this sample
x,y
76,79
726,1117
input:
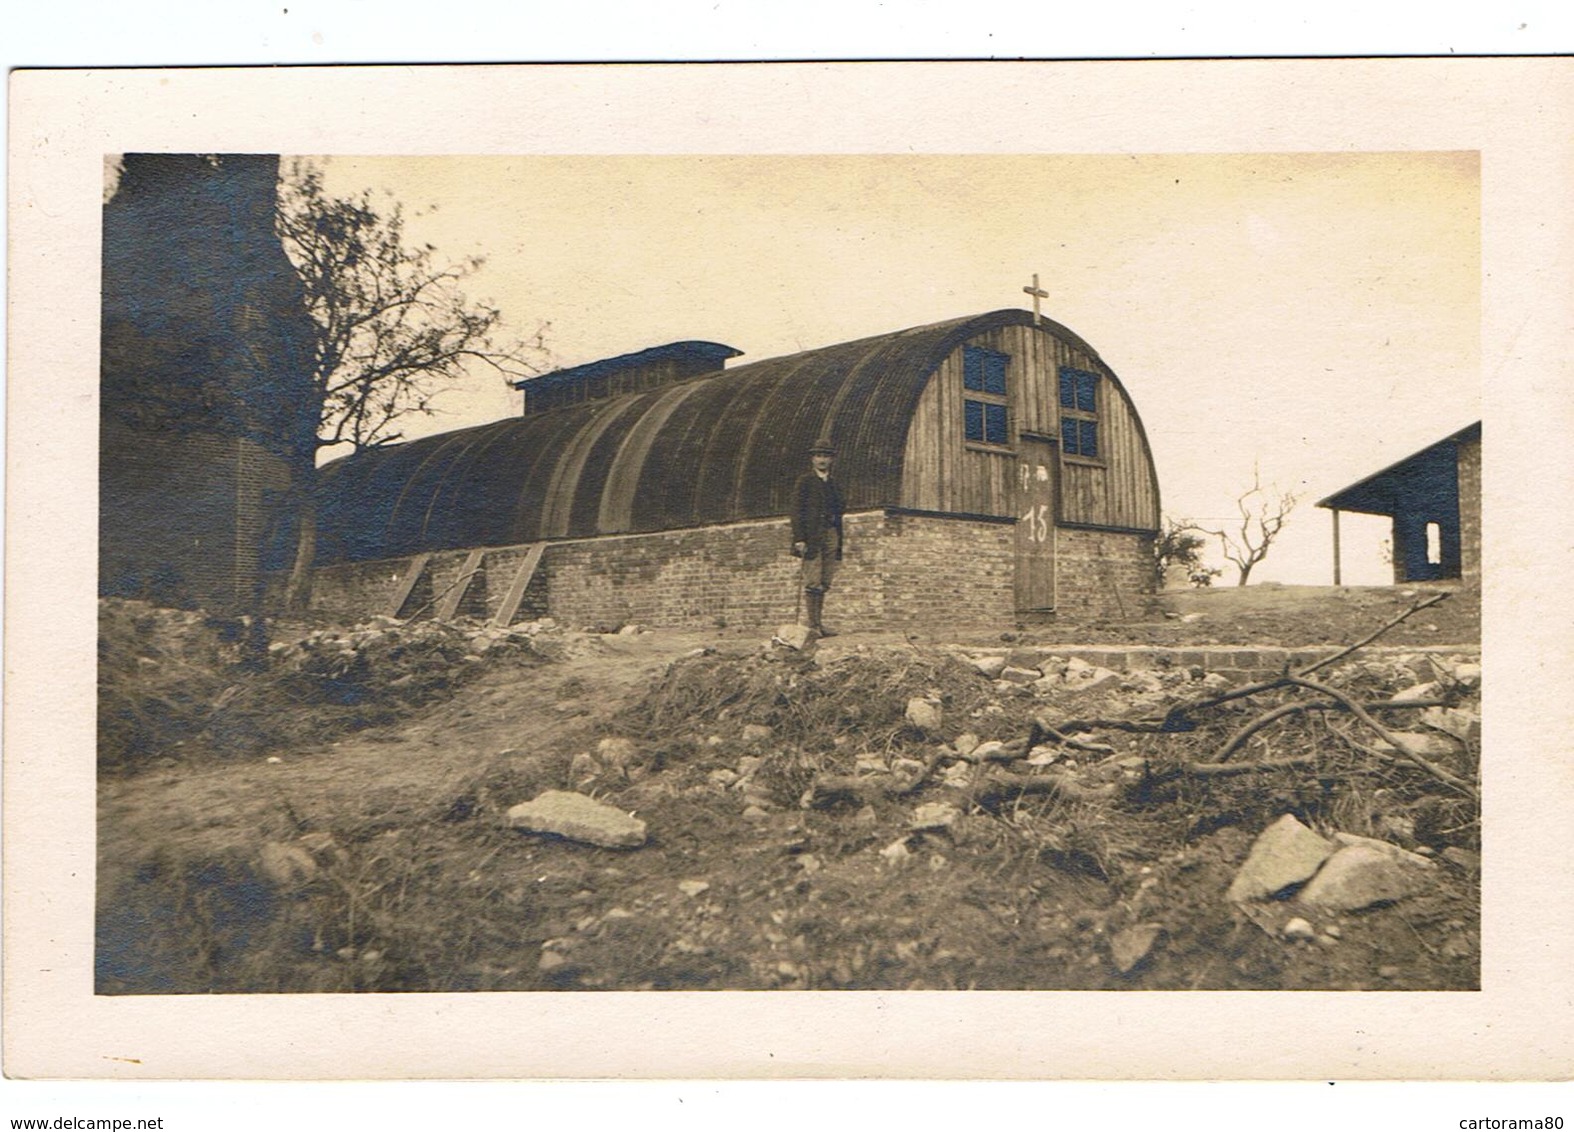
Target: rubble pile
x,y
408,661
858,815
172,680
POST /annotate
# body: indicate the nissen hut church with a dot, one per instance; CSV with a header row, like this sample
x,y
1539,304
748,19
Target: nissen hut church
x,y
993,466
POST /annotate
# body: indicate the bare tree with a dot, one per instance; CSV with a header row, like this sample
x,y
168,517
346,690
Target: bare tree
x,y
393,329
1263,512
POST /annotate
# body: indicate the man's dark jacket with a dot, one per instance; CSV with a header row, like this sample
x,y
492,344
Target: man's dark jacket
x,y
818,508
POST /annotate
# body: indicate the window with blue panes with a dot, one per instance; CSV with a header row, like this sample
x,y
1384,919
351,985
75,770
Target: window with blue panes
x,y
984,411
1079,409
984,371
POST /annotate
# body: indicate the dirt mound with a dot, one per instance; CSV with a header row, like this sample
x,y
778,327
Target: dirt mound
x,y
864,818
1285,616
171,681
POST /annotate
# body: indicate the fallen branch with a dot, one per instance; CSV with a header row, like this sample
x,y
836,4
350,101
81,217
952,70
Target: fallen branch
x,y
1364,641
830,789
1246,732
1043,730
1000,785
1139,726
1176,719
1227,770
1403,752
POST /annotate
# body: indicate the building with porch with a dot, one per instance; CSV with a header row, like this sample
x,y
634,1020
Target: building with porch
x,y
1434,500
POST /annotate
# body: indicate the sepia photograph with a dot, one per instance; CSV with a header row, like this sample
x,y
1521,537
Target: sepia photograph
x,y
477,613
967,548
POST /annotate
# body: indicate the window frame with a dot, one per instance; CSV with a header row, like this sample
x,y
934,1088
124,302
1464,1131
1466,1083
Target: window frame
x,y
987,398
1082,417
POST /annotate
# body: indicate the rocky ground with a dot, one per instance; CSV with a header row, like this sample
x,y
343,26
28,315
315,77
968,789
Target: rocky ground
x,y
447,807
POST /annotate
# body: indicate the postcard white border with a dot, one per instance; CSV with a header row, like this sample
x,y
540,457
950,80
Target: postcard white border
x,y
1517,113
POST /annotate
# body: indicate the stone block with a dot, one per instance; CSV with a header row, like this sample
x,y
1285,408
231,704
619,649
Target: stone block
x,y
578,818
990,666
1286,853
1359,876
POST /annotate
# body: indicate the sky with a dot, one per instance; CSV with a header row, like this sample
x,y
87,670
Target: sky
x,y
1316,315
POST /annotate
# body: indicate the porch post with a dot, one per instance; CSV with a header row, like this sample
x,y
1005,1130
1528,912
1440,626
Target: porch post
x,y
1337,572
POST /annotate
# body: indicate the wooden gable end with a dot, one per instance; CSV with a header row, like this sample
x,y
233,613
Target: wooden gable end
x,y
944,470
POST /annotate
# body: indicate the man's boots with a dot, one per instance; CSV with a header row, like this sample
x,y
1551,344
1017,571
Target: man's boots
x,y
815,600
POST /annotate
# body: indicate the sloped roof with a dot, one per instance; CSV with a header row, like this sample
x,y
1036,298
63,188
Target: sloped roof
x,y
1381,492
711,449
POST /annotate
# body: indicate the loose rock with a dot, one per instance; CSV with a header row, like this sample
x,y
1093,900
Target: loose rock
x,y
1468,674
692,887
907,768
992,751
287,865
1464,859
1427,744
990,666
1403,856
1299,929
578,818
896,853
934,816
923,715
1020,675
1132,945
1284,854
796,637
617,752
1091,679
1359,876
1456,722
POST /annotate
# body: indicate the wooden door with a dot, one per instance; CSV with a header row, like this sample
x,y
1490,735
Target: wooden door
x,y
1037,467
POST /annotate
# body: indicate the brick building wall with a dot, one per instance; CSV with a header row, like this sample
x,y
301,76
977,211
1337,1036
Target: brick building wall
x,y
188,519
1470,510
900,569
1102,574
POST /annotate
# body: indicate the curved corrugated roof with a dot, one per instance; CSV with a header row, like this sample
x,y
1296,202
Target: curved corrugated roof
x,y
710,449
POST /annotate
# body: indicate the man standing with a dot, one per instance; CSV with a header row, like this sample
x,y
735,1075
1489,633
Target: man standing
x,y
817,531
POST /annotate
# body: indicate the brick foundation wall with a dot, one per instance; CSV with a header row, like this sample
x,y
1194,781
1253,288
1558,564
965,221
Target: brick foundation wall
x,y
1470,510
899,569
707,576
944,570
1102,574
357,589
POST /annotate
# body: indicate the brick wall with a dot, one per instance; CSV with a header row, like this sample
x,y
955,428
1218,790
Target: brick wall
x,y
940,570
186,519
1102,574
899,569
358,589
1470,510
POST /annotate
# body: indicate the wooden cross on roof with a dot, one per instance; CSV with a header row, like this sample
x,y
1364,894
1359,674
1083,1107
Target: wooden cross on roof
x,y
1037,294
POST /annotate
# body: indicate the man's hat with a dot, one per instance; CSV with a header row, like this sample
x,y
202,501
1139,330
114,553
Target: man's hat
x,y
822,447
